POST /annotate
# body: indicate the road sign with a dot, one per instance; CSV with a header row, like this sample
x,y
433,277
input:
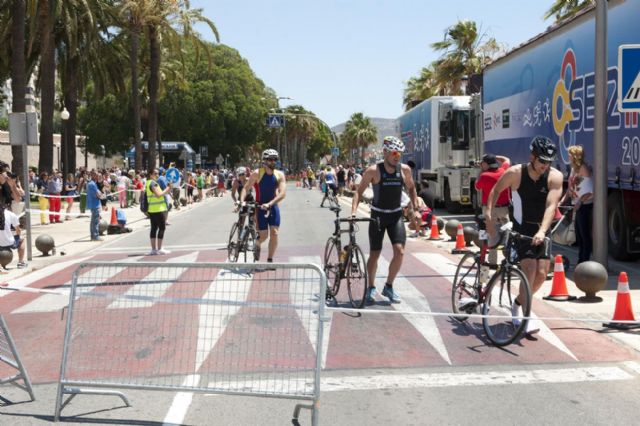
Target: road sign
x,y
335,151
173,175
275,121
629,78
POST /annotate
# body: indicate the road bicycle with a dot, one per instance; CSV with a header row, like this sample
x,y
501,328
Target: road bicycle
x,y
243,238
473,288
346,262
332,198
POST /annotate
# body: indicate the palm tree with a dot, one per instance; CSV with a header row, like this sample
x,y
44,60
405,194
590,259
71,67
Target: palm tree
x,y
301,126
46,12
161,24
420,88
562,9
18,75
360,132
464,54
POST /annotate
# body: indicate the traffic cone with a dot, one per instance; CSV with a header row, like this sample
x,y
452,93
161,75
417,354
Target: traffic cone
x,y
114,218
624,311
460,243
559,291
435,232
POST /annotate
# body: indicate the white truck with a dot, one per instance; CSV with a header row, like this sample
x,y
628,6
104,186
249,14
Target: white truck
x,y
442,137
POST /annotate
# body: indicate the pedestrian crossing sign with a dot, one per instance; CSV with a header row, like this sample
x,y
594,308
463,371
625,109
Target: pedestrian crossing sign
x,y
275,121
629,78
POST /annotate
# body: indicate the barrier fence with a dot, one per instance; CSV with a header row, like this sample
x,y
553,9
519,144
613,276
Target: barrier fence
x,y
196,327
9,356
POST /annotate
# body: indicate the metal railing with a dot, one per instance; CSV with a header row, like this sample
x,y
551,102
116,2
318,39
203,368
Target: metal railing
x,y
200,327
10,356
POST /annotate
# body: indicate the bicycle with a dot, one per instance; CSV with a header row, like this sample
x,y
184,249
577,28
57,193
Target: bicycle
x,y
346,262
247,238
472,287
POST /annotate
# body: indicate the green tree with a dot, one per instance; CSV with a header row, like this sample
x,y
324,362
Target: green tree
x,y
562,9
465,52
359,133
106,121
420,87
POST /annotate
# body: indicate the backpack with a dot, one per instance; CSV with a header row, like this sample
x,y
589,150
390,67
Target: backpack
x,y
144,202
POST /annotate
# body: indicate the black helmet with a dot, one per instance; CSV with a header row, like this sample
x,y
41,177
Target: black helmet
x,y
543,148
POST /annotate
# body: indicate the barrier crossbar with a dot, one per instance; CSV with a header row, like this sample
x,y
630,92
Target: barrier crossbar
x,y
239,329
9,355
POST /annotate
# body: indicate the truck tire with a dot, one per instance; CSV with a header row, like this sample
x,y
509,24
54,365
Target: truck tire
x,y
617,227
451,206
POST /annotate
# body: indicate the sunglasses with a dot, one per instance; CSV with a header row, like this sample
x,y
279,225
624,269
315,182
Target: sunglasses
x,y
544,162
270,159
396,154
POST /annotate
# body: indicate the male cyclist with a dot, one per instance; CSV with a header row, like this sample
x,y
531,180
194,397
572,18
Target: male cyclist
x,y
330,184
236,189
536,188
270,189
388,179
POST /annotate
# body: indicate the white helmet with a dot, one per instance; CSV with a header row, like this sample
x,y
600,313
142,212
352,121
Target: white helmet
x,y
391,143
241,171
270,154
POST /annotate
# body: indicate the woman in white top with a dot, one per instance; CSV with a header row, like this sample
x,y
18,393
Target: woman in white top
x,y
580,190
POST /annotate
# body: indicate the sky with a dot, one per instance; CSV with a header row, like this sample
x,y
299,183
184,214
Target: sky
x,y
339,57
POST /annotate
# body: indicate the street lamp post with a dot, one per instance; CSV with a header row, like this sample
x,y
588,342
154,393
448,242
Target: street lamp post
x,y
64,115
103,151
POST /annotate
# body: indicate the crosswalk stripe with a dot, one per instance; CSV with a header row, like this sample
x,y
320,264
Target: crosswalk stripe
x,y
413,299
297,295
159,280
230,286
447,269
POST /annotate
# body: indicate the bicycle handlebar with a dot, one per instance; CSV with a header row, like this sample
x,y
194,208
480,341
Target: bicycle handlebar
x,y
357,219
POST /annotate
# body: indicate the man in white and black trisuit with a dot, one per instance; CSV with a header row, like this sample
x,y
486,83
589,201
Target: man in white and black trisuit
x,y
330,184
388,179
536,188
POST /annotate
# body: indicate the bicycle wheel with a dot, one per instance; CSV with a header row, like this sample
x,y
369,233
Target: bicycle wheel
x,y
252,246
231,245
239,247
357,278
464,291
502,290
332,266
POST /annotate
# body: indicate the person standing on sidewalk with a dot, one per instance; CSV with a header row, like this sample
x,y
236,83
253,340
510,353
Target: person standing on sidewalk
x,y
7,240
94,195
536,188
43,201
54,188
580,191
157,212
388,178
71,190
493,167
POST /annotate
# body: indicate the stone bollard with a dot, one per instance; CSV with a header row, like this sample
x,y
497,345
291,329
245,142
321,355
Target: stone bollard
x,y
470,234
451,228
45,244
6,256
590,277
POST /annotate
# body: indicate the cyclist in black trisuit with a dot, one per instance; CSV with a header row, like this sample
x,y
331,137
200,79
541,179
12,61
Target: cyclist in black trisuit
x,y
536,188
388,179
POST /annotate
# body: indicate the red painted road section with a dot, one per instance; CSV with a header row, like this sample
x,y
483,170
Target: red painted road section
x,y
166,341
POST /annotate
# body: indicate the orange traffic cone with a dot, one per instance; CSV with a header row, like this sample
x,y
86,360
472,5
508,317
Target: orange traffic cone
x,y
114,218
460,243
559,290
435,232
624,311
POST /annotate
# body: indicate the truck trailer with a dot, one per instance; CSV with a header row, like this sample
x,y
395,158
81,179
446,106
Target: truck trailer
x,y
546,87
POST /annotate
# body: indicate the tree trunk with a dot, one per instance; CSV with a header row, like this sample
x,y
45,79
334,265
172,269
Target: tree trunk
x,y
154,49
18,77
71,103
47,85
135,96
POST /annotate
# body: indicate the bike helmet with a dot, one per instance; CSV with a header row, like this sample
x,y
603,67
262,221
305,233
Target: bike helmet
x,y
270,154
543,148
391,143
241,171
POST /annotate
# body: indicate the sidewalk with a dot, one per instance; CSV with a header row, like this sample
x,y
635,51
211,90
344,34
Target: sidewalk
x,y
72,237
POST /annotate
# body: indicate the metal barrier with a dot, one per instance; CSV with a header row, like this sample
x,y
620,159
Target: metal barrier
x,y
9,355
201,327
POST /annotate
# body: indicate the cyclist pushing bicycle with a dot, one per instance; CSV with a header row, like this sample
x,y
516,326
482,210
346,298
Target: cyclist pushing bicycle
x,y
388,179
536,188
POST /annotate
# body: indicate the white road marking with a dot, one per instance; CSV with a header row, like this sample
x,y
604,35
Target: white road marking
x,y
438,380
414,300
181,402
154,285
447,269
632,365
42,273
145,249
297,294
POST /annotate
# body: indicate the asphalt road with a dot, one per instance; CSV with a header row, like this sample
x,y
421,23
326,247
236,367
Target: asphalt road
x,y
377,368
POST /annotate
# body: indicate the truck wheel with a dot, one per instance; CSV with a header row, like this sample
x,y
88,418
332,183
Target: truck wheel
x,y
617,227
451,206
